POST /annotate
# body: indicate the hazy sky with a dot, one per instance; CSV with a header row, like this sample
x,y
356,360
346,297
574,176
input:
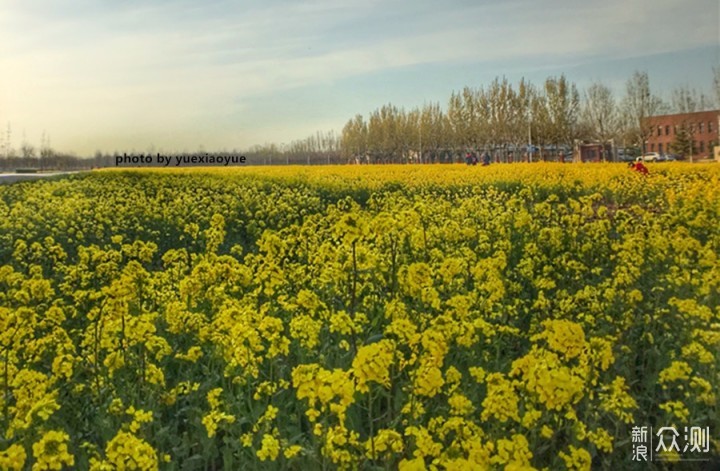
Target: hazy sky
x,y
184,75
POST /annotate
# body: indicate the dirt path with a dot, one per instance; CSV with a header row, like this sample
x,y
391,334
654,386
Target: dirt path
x,y
7,178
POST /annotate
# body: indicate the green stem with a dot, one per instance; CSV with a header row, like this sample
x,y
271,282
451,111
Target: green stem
x,y
6,392
354,279
372,432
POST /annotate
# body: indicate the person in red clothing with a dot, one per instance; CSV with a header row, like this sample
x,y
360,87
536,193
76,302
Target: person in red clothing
x,y
639,166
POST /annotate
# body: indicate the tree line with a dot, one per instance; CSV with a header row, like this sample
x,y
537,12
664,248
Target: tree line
x,y
319,148
43,157
505,119
316,149
508,120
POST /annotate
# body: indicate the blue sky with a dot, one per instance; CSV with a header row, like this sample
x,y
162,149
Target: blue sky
x,y
183,75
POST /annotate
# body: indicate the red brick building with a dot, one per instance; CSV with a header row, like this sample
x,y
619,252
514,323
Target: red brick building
x,y
702,126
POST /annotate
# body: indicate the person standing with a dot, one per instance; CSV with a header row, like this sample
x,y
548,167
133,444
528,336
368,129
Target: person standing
x,y
485,159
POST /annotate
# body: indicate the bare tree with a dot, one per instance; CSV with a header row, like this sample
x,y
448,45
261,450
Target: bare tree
x,y
519,116
540,129
431,132
355,139
46,151
684,99
459,126
27,150
562,101
638,105
385,138
600,117
500,98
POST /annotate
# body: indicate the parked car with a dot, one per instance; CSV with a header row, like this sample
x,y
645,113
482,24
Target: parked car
x,y
651,157
672,157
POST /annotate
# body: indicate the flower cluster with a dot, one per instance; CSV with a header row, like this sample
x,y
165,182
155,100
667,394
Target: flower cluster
x,y
399,317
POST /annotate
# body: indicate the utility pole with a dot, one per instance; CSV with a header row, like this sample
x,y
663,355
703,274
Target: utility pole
x,y
7,141
530,148
420,129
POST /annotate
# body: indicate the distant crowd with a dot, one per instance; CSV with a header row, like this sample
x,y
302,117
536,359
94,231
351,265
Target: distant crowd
x,y
471,158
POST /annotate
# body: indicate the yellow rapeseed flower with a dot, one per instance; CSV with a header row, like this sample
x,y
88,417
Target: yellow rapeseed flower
x,y
677,371
578,459
13,458
126,451
51,451
428,381
501,401
270,448
372,364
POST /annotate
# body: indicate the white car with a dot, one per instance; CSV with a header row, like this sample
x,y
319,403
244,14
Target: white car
x,y
651,157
